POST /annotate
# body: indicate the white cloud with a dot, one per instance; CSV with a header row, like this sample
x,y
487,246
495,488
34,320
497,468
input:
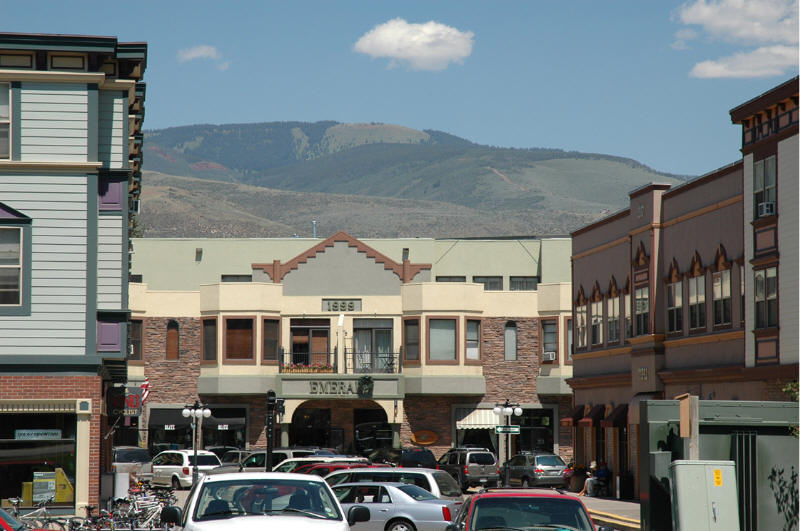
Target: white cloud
x,y
762,62
224,66
428,46
202,51
767,27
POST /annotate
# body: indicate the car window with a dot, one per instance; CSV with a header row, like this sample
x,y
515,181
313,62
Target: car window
x,y
462,512
417,493
131,455
518,461
277,457
414,479
335,479
529,511
230,457
445,458
550,460
418,458
157,460
204,460
481,459
255,461
454,458
302,453
447,485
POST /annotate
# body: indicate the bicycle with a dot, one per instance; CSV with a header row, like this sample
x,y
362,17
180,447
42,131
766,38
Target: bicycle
x,y
39,517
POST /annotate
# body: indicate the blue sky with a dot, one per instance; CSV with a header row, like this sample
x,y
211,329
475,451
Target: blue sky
x,y
650,80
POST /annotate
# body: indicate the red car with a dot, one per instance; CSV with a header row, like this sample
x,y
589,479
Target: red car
x,y
9,523
501,509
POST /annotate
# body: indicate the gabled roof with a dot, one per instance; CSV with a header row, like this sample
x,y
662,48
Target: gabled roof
x,y
10,215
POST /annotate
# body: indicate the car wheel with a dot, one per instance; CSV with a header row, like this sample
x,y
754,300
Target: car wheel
x,y
525,483
176,483
400,525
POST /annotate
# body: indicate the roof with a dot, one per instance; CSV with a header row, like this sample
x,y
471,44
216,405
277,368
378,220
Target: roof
x,y
774,95
238,476
517,493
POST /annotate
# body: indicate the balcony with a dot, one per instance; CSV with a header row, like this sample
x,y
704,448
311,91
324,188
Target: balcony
x,y
328,363
769,127
372,362
308,362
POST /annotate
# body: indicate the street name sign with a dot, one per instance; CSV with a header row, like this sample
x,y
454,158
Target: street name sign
x,y
513,429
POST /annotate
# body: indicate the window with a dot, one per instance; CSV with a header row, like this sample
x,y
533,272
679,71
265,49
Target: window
x,y
642,311
523,283
238,339
135,334
766,297
764,187
628,316
451,279
209,339
236,278
675,307
111,192
10,266
510,341
550,337
442,339
697,302
411,339
580,317
109,336
473,339
173,340
270,338
490,283
569,340
612,310
5,120
597,323
721,296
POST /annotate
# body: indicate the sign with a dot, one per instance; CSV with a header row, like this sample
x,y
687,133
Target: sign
x,y
717,477
37,435
341,305
125,401
169,427
333,387
44,486
513,429
222,427
424,437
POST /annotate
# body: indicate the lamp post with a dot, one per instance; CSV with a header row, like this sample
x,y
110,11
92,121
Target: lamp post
x,y
506,409
195,412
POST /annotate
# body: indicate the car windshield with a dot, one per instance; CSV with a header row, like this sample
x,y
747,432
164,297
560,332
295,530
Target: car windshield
x,y
204,460
529,513
230,457
12,522
447,485
248,496
550,460
417,493
481,459
132,455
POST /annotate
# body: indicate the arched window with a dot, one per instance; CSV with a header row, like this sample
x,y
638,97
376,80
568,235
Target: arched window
x,y
511,341
172,340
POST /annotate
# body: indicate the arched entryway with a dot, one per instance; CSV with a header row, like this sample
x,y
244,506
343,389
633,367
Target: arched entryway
x,y
348,426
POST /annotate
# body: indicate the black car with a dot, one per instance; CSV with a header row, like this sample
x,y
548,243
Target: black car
x,y
406,457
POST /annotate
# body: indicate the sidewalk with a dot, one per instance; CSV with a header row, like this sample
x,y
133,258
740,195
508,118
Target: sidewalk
x,y
604,510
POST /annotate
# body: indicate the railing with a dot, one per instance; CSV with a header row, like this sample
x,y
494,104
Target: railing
x,y
317,362
769,127
372,362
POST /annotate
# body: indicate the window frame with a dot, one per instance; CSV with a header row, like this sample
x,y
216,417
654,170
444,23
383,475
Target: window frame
x,y
168,355
7,121
133,340
253,340
568,340
486,280
406,360
526,282
720,308
479,359
22,224
511,325
674,304
277,360
451,278
581,314
456,358
556,343
757,325
613,320
203,359
699,306
768,193
641,319
596,325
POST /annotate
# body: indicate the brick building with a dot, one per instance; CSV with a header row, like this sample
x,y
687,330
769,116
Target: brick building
x,y
71,109
441,330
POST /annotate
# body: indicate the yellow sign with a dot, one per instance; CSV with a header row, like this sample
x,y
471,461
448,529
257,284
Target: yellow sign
x,y
717,477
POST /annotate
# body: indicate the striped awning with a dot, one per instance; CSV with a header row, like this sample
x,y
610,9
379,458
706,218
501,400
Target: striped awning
x,y
475,419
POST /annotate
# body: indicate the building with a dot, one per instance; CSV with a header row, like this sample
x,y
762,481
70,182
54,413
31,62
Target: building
x,y
370,342
71,109
678,293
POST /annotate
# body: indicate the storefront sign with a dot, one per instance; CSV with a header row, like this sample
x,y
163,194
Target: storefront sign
x,y
341,305
169,427
223,427
37,435
44,486
333,387
125,401
424,437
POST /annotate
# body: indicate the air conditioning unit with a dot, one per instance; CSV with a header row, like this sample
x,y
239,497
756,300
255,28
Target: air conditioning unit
x,y
549,356
767,208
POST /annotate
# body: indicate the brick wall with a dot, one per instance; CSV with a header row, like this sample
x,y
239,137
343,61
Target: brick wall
x,y
171,381
13,387
429,413
565,443
515,380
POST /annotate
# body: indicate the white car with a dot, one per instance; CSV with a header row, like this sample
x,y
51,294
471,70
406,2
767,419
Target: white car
x,y
174,467
263,501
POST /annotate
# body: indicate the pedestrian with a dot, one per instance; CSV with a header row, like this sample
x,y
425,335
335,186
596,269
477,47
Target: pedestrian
x,y
595,479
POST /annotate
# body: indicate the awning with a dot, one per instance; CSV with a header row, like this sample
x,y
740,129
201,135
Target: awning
x,y
167,417
475,419
574,416
594,417
618,417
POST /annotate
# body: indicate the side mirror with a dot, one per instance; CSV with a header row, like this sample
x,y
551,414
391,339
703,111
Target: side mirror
x,y
357,513
171,515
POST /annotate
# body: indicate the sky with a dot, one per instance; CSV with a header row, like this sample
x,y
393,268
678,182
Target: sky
x,y
649,80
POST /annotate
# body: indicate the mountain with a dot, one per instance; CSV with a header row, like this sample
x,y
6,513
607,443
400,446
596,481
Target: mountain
x,y
383,172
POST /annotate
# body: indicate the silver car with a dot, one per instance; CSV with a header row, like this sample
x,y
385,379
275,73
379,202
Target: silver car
x,y
396,506
536,469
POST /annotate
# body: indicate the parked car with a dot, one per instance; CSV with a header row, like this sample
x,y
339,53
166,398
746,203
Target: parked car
x,y
9,523
255,459
437,482
133,460
508,509
253,501
536,469
220,450
289,465
174,467
396,506
471,467
234,457
323,469
406,457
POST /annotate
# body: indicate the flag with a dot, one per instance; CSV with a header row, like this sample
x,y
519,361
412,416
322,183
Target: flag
x,y
145,389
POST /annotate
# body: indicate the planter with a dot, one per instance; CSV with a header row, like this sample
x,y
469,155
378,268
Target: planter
x,y
315,370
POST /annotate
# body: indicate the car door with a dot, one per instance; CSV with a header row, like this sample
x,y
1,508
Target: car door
x,y
381,509
157,469
516,469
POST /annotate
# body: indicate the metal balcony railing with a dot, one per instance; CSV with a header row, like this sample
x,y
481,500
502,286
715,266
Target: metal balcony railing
x,y
372,362
317,362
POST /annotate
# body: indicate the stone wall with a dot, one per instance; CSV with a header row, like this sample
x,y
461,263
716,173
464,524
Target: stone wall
x,y
512,379
171,381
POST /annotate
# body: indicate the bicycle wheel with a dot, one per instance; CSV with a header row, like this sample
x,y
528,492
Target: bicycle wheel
x,y
53,523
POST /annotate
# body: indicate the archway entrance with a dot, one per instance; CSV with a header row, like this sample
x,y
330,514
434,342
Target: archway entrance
x,y
347,426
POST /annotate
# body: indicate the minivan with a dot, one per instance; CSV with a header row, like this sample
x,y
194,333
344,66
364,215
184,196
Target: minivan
x,y
437,482
174,467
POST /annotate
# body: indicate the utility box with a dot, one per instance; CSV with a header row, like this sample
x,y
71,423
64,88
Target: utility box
x,y
704,495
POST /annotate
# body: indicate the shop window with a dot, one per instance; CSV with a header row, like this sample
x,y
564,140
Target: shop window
x,y
510,341
580,319
173,340
612,310
271,339
238,339
642,310
766,297
442,340
411,340
697,302
721,296
473,347
597,323
675,307
489,283
210,339
135,335
523,283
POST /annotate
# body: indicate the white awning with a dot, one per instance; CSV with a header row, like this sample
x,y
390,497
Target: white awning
x,y
475,419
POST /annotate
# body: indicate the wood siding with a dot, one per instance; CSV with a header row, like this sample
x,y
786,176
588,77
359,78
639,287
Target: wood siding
x,y
53,122
111,129
109,263
57,206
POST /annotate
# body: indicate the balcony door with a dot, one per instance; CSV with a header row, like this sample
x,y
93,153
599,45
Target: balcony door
x,y
310,341
372,345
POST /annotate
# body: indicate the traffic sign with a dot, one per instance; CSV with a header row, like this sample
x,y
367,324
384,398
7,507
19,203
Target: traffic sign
x,y
513,429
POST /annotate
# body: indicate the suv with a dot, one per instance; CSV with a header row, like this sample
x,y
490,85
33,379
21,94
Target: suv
x,y
174,467
437,482
133,460
471,467
534,469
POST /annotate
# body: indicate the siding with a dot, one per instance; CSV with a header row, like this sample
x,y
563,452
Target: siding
x,y
53,122
111,129
788,236
57,324
109,263
749,284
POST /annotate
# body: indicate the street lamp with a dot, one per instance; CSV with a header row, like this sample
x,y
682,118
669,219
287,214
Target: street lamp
x,y
196,411
506,409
